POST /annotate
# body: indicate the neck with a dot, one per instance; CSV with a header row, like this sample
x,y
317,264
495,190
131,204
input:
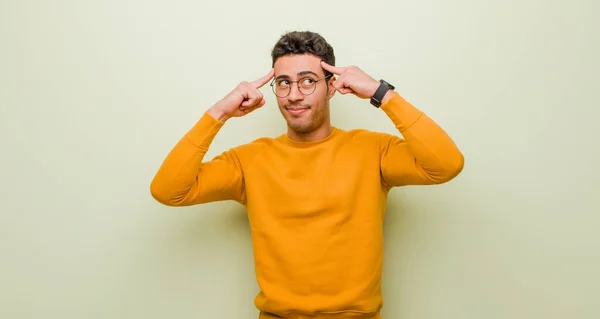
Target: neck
x,y
320,133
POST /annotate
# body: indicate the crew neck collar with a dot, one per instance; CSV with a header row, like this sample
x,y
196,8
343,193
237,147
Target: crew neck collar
x,y
289,141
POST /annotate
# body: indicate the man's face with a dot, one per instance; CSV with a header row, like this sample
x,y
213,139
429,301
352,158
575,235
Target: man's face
x,y
303,111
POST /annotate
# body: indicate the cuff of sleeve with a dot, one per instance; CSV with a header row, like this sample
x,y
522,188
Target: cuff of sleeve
x,y
402,113
204,131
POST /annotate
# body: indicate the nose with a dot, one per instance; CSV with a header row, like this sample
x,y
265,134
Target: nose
x,y
295,94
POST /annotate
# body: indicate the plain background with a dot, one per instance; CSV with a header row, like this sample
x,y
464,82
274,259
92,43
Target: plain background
x,y
93,95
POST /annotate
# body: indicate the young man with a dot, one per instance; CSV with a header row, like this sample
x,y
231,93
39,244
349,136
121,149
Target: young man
x,y
316,195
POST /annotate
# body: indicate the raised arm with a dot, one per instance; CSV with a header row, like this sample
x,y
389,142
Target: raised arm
x,y
426,155
185,178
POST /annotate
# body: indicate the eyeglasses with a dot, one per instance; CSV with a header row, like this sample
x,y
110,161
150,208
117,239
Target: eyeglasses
x,y
306,86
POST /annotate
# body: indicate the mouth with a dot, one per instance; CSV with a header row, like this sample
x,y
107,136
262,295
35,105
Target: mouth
x,y
296,110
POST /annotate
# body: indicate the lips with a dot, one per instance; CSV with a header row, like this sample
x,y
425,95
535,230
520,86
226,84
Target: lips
x,y
297,110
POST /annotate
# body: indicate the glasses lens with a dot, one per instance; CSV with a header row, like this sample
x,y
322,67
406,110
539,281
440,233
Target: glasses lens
x,y
281,91
307,85
281,88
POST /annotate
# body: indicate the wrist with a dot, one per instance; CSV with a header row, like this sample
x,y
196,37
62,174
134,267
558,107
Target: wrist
x,y
388,95
218,114
382,93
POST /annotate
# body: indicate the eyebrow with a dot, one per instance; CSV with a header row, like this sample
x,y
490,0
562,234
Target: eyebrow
x,y
283,76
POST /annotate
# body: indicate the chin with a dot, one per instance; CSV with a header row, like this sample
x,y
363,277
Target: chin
x,y
299,127
302,127
302,130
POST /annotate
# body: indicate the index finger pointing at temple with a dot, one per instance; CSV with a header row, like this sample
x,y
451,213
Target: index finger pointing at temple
x,y
332,69
263,80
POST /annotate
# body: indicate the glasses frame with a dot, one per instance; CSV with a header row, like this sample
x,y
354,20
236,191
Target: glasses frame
x,y
298,85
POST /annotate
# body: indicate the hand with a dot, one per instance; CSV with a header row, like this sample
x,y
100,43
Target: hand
x,y
352,80
242,100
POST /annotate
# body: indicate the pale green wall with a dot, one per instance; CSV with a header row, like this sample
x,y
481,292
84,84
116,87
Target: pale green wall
x,y
515,83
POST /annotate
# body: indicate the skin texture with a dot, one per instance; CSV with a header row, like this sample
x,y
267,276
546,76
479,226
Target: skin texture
x,y
314,122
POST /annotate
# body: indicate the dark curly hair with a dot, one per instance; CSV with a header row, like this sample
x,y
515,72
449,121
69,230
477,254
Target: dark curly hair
x,y
302,42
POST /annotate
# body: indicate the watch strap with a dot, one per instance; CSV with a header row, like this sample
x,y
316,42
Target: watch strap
x,y
380,93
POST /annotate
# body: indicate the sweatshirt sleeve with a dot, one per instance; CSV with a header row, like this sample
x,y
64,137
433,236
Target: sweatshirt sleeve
x,y
426,155
184,178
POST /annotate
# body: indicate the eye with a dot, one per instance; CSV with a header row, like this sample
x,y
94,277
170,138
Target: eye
x,y
307,82
283,83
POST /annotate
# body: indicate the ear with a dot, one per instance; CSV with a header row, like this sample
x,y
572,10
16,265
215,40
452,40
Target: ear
x,y
332,90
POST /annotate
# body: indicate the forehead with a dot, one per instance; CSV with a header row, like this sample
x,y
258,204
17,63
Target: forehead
x,y
291,65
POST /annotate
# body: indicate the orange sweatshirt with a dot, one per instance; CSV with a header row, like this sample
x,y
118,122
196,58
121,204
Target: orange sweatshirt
x,y
315,208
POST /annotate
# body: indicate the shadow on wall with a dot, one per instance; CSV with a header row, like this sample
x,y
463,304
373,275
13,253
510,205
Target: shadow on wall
x,y
200,260
394,226
216,248
194,260
425,245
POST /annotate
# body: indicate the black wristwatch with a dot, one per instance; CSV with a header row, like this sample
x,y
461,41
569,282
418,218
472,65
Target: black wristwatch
x,y
380,93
